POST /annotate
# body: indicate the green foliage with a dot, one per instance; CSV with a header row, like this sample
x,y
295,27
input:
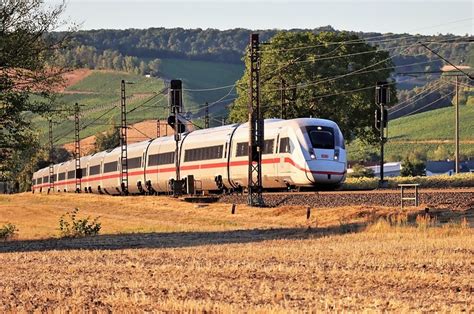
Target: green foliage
x,y
7,231
359,171
413,168
352,111
107,140
433,125
24,54
229,45
83,56
72,227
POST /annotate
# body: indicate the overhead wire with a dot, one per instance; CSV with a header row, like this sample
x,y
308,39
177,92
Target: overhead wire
x,y
426,106
362,40
426,94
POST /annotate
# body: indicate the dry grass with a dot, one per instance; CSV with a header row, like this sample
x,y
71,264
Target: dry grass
x,y
258,260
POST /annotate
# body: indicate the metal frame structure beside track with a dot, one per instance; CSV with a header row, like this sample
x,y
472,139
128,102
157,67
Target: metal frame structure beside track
x,y
256,132
123,140
77,148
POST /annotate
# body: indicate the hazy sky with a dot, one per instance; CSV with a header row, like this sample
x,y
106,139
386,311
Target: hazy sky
x,y
412,16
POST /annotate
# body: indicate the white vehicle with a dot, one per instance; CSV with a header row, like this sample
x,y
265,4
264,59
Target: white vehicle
x,y
302,152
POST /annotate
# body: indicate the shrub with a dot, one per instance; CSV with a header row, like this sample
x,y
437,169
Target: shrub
x,y
413,168
359,171
71,227
8,231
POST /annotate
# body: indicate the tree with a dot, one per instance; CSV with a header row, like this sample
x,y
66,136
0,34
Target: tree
x,y
26,68
359,171
107,140
318,79
413,168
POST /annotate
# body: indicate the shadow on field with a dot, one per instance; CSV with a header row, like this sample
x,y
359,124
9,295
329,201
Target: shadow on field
x,y
173,239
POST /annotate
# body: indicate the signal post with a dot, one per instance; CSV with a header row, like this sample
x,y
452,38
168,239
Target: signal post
x,y
382,98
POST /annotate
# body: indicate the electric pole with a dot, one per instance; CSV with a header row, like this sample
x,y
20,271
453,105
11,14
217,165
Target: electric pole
x,y
176,101
382,97
456,126
123,140
256,134
158,125
51,156
206,117
77,148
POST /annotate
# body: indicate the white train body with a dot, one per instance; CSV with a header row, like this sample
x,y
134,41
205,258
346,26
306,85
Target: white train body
x,y
301,152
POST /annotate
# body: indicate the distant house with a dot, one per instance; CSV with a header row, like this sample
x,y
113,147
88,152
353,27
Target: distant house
x,y
434,168
390,169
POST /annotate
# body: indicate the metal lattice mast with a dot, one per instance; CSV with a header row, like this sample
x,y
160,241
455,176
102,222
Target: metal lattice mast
x,y
256,134
206,117
123,140
51,156
77,148
158,125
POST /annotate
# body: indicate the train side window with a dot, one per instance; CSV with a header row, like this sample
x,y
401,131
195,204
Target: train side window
x,y
268,147
40,180
84,172
45,179
110,166
204,153
62,176
161,159
93,170
33,182
71,174
242,149
134,163
285,145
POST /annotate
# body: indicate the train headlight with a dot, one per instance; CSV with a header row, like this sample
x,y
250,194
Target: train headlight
x,y
336,154
312,156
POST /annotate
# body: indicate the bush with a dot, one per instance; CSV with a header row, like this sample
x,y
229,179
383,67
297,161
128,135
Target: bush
x,y
71,227
8,231
441,181
359,171
413,168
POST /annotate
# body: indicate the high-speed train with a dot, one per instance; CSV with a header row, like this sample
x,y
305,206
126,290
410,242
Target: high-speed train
x,y
304,152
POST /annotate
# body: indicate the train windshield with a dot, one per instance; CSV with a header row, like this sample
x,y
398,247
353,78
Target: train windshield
x,y
321,136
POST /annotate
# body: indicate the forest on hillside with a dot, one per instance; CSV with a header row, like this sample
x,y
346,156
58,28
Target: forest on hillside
x,y
229,45
140,51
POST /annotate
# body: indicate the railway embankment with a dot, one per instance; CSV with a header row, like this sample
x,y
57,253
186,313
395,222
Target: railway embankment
x,y
454,199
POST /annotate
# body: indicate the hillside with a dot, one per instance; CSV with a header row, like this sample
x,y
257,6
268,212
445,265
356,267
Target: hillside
x,y
432,131
98,93
204,75
429,133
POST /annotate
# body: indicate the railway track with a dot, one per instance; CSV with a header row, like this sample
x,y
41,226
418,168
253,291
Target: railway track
x,y
455,199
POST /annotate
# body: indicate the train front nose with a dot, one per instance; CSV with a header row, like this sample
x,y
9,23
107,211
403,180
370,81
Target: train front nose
x,y
326,171
326,166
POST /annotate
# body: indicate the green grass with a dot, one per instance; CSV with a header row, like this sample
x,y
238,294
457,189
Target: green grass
x,y
420,133
104,92
435,124
202,75
99,91
108,82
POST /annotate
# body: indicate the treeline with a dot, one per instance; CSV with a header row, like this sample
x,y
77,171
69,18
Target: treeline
x,y
82,56
229,45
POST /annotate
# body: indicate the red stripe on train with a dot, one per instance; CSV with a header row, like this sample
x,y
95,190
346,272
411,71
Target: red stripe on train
x,y
194,167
